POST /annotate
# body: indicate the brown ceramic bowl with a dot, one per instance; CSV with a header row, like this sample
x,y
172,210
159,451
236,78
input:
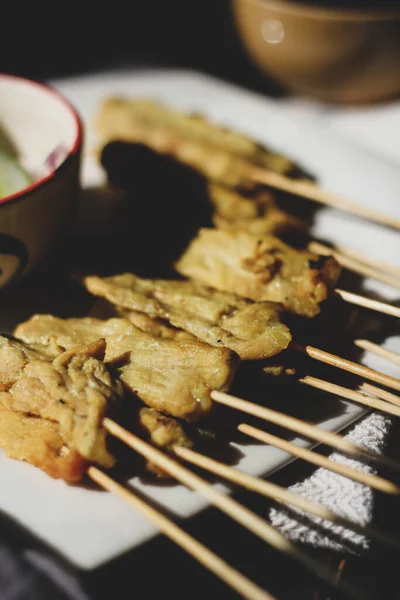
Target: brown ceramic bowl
x,y
337,55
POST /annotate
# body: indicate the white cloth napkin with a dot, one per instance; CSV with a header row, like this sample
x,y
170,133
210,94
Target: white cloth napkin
x,y
345,497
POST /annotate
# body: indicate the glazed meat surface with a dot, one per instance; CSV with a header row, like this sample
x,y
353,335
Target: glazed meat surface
x,y
252,330
68,333
254,213
174,376
163,432
260,268
39,442
14,357
74,390
105,310
157,327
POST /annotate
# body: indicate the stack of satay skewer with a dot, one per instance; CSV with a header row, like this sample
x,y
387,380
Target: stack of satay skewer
x,y
175,345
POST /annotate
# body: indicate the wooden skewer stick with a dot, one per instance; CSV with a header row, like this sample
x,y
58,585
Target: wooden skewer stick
x,y
280,494
311,191
376,305
348,365
354,265
372,262
378,350
303,428
380,393
352,395
374,481
229,506
244,586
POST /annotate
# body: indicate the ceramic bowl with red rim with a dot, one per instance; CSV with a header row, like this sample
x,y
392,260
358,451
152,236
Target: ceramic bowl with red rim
x,y
40,152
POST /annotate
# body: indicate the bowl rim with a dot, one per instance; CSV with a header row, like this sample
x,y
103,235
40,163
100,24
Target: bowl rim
x,y
75,147
327,12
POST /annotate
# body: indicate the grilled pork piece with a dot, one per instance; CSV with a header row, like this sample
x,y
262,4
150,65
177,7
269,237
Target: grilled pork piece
x,y
260,268
163,432
174,376
255,213
102,309
157,327
73,392
14,357
41,443
68,333
218,153
253,330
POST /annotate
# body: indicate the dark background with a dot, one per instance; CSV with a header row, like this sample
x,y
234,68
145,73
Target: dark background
x,y
70,38
44,40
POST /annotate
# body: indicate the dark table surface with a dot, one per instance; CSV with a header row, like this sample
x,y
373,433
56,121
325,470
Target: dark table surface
x,y
197,35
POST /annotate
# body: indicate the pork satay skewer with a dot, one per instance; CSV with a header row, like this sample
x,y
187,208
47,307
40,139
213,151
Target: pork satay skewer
x,y
51,398
304,429
348,365
173,377
364,302
32,369
211,561
135,332
378,350
131,292
362,265
63,359
202,554
311,191
221,155
44,328
164,438
166,430
280,494
267,269
257,214
163,430
354,396
261,268
362,258
251,330
253,212
123,119
354,265
378,392
260,527
264,268
373,481
167,299
228,505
